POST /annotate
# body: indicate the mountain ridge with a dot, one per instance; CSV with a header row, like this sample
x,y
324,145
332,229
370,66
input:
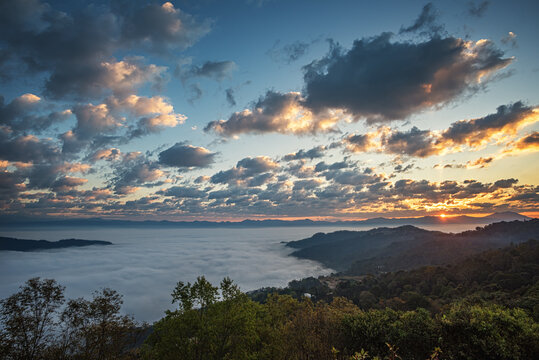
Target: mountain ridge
x,y
13,244
8,221
391,249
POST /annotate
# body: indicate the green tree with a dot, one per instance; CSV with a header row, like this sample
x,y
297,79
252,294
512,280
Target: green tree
x,y
205,328
488,332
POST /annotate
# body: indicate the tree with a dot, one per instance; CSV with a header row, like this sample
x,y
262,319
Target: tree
x,y
201,294
96,329
37,324
28,319
205,328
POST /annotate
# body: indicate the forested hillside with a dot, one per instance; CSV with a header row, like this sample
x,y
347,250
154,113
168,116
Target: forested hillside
x,y
484,307
407,247
507,277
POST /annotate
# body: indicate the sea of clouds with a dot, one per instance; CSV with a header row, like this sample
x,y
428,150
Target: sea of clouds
x,y
144,264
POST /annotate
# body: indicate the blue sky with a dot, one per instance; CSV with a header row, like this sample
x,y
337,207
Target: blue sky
x,y
268,109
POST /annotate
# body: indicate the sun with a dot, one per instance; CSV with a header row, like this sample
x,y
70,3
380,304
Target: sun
x,y
443,215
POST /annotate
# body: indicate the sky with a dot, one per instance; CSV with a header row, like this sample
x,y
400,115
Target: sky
x,y
228,110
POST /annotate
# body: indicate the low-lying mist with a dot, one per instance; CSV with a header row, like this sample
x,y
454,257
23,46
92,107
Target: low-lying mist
x,y
145,264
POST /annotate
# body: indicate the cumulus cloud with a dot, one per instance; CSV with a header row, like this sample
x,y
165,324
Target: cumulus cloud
x,y
109,154
414,142
117,77
155,113
112,121
316,152
161,27
506,121
25,114
28,148
183,192
66,183
246,169
276,112
256,165
133,172
473,134
185,156
75,50
359,142
10,186
377,79
381,80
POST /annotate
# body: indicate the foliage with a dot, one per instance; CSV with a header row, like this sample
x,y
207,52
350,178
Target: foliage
x,y
287,328
485,307
508,276
37,323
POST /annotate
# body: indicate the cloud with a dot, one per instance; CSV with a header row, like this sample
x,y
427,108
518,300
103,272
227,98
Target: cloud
x,y
161,28
182,155
216,70
403,169
472,134
482,162
529,142
505,183
112,121
155,113
195,93
230,97
510,39
359,142
25,114
66,183
94,119
382,80
10,186
276,112
289,53
247,168
109,154
414,142
75,51
426,22
183,192
117,77
133,172
478,9
28,149
256,165
475,132
94,123
316,152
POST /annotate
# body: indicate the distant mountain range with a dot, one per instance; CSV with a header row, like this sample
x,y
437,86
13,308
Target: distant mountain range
x,y
391,249
7,221
13,244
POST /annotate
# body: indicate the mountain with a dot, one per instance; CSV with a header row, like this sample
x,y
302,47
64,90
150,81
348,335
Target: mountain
x,y
508,276
13,244
506,216
11,221
391,249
